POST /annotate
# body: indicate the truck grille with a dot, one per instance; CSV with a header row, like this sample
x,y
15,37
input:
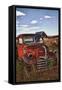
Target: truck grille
x,y
41,64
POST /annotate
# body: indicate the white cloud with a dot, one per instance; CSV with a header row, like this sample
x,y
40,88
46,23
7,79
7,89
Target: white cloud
x,y
34,29
24,25
41,18
26,29
47,17
18,13
33,22
19,25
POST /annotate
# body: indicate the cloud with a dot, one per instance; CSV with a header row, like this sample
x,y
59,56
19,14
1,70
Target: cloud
x,y
24,25
19,13
47,17
33,22
41,18
27,29
24,29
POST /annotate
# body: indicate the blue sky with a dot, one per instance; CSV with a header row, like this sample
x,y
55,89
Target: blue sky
x,y
35,20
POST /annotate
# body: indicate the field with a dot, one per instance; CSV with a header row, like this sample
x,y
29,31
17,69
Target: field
x,y
28,73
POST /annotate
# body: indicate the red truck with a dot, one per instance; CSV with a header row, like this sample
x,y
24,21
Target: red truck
x,y
31,49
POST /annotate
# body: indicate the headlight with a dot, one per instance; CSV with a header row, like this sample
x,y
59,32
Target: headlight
x,y
30,55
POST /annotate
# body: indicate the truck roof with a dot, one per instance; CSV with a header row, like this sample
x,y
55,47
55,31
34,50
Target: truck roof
x,y
22,35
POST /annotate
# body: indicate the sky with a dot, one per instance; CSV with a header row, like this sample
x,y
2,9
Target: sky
x,y
36,20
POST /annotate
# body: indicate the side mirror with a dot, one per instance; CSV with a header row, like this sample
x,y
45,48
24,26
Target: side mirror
x,y
20,41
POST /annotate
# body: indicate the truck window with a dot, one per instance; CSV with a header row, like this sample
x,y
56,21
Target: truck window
x,y
28,40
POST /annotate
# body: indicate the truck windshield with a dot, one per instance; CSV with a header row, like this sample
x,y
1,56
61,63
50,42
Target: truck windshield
x,y
28,40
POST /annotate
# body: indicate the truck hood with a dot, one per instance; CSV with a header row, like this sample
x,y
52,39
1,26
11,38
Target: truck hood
x,y
33,46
